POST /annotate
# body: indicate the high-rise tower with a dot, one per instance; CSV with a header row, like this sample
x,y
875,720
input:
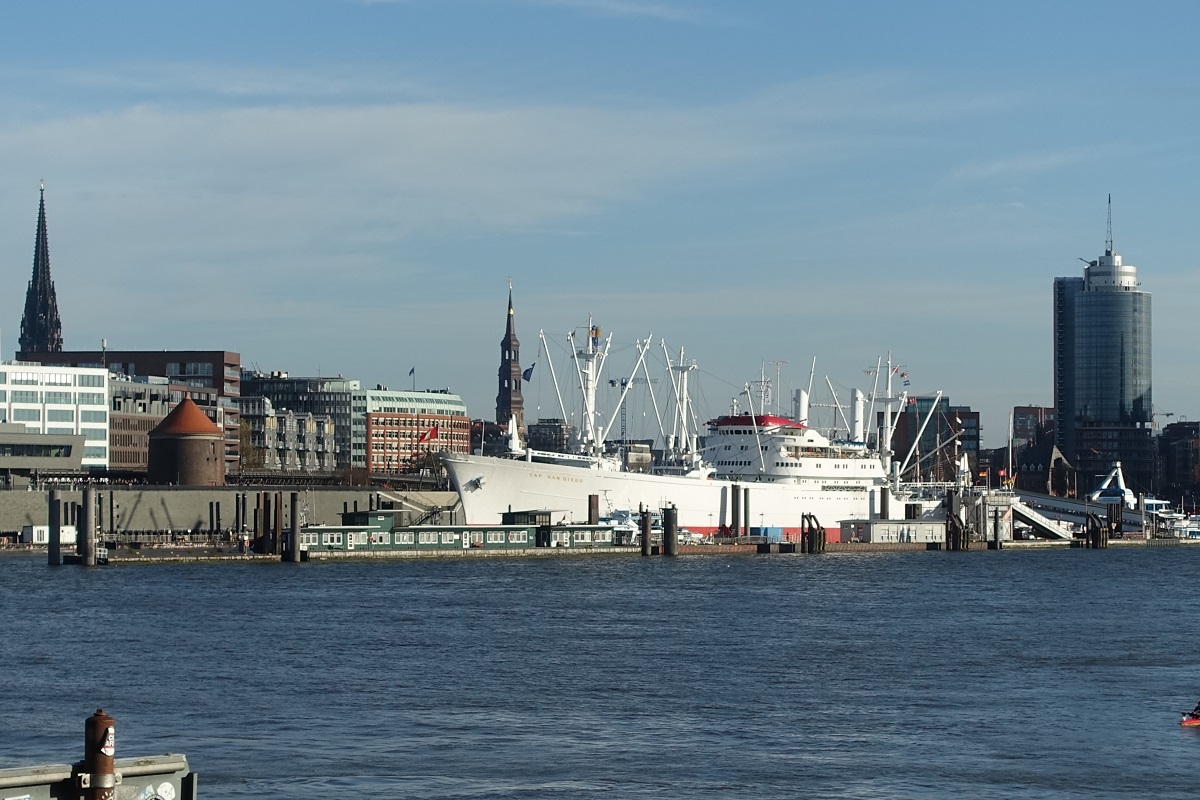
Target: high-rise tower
x,y
41,329
509,403
1102,359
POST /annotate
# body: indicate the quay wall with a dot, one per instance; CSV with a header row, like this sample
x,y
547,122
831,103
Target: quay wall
x,y
179,508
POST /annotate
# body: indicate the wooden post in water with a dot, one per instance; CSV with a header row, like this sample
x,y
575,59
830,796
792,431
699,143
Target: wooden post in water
x,y
54,542
645,521
85,533
293,551
278,530
670,518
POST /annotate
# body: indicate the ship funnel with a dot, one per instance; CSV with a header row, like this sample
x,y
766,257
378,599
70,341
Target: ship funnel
x,y
800,406
857,410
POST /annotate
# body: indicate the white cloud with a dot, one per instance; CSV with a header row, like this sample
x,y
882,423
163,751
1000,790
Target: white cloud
x,y
1026,164
670,12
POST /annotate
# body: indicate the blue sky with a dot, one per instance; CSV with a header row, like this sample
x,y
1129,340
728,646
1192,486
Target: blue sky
x,y
346,187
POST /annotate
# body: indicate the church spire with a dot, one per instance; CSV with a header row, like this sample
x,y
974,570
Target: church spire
x,y
509,403
41,329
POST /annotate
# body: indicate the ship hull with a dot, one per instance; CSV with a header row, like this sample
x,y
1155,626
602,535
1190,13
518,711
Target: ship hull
x,y
488,487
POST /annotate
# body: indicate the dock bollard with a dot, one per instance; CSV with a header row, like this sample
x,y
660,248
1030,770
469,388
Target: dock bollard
x,y
98,778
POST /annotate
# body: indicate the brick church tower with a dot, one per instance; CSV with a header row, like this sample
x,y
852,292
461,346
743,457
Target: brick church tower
x,y
509,403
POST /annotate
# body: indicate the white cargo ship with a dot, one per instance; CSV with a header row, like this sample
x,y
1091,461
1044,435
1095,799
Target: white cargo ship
x,y
780,468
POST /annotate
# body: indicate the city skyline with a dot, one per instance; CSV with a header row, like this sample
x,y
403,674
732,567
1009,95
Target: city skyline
x,y
346,187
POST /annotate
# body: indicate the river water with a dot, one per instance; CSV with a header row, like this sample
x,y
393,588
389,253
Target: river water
x,y
1034,674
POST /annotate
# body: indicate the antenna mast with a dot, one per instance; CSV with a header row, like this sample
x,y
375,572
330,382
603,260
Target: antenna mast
x,y
1108,246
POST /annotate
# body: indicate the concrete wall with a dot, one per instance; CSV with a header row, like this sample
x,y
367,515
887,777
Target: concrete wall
x,y
188,508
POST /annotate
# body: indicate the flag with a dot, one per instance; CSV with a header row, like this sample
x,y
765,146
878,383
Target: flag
x,y
527,375
906,382
428,435
412,371
1000,472
912,401
904,374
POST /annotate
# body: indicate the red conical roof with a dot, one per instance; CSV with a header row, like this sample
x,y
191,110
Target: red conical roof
x,y
186,419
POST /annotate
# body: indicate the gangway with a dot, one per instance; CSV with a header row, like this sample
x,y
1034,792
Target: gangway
x,y
1040,522
1074,510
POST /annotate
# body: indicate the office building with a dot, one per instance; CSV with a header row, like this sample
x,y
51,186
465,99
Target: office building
x,y
321,397
394,432
61,401
1102,376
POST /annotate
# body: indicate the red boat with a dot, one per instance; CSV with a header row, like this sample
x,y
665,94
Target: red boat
x,y
1190,720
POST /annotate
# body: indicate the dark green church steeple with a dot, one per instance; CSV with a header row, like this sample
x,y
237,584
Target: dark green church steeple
x,y
41,329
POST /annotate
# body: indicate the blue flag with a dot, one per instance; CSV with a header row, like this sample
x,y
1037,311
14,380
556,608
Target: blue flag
x,y
527,375
412,371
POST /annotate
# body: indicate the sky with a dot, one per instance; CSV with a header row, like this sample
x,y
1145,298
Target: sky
x,y
347,187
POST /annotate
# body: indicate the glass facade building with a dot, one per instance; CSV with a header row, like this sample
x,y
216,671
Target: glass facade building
x,y
1102,373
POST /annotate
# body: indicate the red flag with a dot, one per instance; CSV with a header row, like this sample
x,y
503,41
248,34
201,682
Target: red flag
x,y
429,435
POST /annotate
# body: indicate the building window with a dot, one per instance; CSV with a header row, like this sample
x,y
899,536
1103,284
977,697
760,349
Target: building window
x,y
27,415
60,398
93,416
60,415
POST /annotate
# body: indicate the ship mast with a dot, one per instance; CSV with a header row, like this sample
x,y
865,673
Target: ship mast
x,y
589,360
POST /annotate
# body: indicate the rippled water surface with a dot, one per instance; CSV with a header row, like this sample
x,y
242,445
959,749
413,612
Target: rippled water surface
x,y
1013,675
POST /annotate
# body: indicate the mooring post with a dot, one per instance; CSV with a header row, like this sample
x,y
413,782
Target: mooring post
x,y
746,511
670,531
98,778
293,551
54,542
85,534
645,522
593,509
278,530
735,508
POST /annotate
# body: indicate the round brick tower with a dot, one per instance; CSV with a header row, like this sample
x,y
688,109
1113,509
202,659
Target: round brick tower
x,y
187,449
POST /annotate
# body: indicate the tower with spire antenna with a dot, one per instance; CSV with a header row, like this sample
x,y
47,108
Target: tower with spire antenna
x,y
1102,369
41,329
509,403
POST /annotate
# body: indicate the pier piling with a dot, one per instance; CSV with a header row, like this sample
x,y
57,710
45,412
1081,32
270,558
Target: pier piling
x,y
54,544
85,534
670,518
735,508
277,531
646,523
293,550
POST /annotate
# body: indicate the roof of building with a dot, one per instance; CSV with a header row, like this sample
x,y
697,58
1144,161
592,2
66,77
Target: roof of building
x,y
186,419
